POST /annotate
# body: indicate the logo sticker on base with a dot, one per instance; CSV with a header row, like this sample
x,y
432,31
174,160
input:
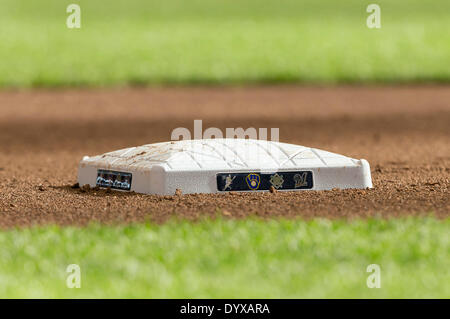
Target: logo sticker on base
x,y
114,180
261,181
253,181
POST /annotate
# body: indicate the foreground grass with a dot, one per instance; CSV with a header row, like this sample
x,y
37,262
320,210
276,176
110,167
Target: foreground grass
x,y
138,42
222,258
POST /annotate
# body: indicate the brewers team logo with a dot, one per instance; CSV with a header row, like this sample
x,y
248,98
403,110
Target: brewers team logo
x,y
253,181
300,180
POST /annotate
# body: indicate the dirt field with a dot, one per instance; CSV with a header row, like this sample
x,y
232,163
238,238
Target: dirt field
x,y
403,132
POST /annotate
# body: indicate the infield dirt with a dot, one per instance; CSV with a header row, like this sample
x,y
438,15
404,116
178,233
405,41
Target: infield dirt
x,y
404,133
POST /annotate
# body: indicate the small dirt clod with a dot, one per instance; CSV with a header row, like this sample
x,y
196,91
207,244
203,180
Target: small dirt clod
x,y
85,188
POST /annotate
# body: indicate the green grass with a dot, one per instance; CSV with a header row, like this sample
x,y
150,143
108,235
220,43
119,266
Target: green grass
x,y
140,42
224,258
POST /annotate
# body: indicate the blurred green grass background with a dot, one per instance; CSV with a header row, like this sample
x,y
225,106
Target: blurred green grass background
x,y
231,258
141,42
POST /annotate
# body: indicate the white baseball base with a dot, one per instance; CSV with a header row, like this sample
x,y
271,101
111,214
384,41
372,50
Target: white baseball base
x,y
222,165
